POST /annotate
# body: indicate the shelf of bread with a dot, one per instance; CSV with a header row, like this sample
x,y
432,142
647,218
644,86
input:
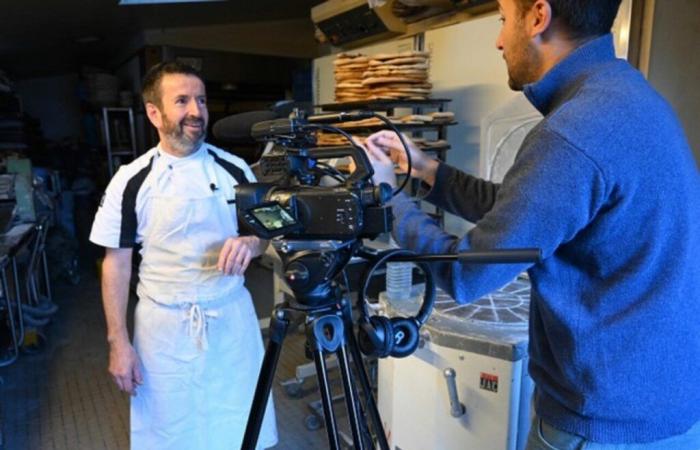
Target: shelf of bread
x,y
386,76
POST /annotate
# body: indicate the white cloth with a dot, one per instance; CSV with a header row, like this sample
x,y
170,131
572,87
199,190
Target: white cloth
x,y
193,399
185,234
195,329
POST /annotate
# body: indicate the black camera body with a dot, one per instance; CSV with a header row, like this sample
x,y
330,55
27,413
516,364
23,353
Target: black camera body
x,y
312,213
292,202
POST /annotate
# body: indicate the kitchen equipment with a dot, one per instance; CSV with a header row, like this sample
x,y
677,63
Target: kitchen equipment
x,y
466,387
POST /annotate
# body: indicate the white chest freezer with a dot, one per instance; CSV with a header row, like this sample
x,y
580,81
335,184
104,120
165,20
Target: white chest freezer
x,y
485,345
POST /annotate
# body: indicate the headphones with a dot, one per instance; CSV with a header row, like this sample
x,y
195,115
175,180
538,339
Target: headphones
x,y
396,336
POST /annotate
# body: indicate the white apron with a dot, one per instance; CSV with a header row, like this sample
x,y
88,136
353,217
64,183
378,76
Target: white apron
x,y
200,346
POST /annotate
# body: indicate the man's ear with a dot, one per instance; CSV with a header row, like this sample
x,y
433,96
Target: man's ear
x,y
539,18
154,115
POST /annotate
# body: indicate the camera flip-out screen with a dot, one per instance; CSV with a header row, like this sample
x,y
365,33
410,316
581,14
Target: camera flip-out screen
x,y
271,220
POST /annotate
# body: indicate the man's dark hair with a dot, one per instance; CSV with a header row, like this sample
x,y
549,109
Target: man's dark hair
x,y
580,18
150,90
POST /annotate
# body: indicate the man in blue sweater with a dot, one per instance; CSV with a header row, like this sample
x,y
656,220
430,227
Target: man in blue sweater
x,y
607,188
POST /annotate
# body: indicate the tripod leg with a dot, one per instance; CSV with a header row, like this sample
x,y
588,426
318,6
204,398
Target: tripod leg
x,y
365,384
326,398
278,330
350,397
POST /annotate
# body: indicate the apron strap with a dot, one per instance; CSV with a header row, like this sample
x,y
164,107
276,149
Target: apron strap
x,y
197,321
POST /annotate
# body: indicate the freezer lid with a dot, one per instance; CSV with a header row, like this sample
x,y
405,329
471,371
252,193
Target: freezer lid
x,y
495,325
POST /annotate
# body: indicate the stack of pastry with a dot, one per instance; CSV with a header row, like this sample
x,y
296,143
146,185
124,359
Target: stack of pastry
x,y
348,69
324,139
396,76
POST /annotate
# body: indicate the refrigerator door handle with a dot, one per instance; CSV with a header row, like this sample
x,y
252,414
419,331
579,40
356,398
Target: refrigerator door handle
x,y
457,409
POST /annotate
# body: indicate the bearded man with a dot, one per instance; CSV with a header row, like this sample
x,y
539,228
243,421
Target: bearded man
x,y
197,348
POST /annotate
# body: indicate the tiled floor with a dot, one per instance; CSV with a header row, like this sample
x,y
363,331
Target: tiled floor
x,y
61,397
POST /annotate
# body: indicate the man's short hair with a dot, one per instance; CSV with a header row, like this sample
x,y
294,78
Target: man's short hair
x,y
150,90
581,18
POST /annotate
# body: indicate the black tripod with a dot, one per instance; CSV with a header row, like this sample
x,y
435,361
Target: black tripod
x,y
310,267
329,331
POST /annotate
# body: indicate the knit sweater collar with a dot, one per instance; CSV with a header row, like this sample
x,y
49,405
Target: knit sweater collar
x,y
546,93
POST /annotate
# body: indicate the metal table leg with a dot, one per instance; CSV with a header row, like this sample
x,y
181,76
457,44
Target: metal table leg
x,y
10,314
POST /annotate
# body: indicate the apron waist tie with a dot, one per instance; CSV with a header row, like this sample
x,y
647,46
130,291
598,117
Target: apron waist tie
x,y
197,321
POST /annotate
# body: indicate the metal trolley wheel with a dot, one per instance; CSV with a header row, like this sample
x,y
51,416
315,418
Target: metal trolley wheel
x,y
293,389
312,422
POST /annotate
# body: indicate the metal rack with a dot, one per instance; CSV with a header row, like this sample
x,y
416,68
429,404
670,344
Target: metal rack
x,y
119,135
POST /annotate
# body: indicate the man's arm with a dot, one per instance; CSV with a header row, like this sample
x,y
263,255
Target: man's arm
x,y
462,194
124,364
552,191
237,252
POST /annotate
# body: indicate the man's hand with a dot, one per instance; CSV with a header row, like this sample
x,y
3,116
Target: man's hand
x,y
237,253
387,143
125,366
124,363
382,164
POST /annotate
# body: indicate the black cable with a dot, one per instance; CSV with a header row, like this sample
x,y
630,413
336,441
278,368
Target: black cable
x,y
332,172
409,162
392,126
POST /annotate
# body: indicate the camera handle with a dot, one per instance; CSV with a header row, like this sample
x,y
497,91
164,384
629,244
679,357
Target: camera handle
x,y
364,169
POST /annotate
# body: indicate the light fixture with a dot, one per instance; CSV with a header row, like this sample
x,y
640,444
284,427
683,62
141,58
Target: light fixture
x,y
155,2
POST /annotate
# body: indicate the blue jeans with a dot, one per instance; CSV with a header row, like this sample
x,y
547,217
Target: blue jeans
x,y
545,437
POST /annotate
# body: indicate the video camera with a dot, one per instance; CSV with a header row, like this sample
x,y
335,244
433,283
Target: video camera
x,y
317,229
294,203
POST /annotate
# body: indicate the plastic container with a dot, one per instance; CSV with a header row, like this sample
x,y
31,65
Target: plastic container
x,y
399,277
399,280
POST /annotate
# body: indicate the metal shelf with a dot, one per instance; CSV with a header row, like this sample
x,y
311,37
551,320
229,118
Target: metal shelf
x,y
118,145
379,105
400,126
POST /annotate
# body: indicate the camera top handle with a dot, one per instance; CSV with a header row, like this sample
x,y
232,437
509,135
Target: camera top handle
x,y
363,169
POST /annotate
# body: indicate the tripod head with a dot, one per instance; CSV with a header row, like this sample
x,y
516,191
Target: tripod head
x,y
310,268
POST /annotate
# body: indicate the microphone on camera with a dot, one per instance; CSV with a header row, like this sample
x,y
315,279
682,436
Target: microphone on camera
x,y
270,128
340,117
237,127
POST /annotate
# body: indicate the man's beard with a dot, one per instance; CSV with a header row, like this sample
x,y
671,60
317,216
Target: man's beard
x,y
523,66
179,140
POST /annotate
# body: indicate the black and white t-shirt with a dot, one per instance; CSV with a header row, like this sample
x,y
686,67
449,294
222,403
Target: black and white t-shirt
x,y
124,212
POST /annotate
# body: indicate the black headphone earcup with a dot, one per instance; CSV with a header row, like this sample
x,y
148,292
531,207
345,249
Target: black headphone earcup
x,y
388,346
375,337
405,337
367,338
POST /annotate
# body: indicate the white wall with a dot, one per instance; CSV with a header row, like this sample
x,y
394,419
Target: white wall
x,y
54,101
467,67
674,64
